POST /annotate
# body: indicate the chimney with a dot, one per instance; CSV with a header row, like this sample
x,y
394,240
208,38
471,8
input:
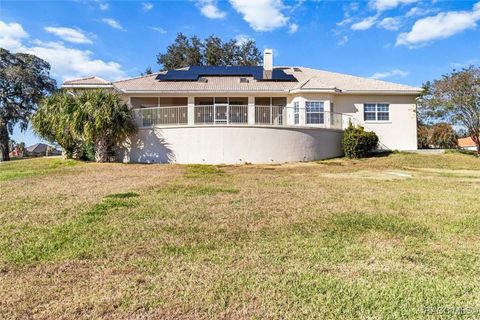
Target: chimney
x,y
268,60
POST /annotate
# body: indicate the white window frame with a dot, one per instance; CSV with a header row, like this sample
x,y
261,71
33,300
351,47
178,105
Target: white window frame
x,y
296,112
376,112
315,112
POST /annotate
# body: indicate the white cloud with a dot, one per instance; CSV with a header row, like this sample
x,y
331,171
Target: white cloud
x,y
261,15
113,23
390,23
66,63
70,63
344,22
242,39
69,34
382,5
441,26
389,74
466,64
354,6
159,30
103,6
11,36
210,9
147,6
343,40
364,24
292,28
418,12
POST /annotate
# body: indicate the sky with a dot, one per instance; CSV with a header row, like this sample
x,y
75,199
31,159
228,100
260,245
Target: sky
x,y
403,41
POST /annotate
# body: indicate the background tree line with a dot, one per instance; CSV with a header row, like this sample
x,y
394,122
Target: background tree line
x,y
212,51
455,100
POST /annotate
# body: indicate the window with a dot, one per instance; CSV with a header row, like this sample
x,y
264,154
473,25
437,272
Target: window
x,y
296,112
314,111
376,112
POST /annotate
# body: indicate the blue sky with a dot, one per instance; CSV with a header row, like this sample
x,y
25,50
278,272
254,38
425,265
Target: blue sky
x,y
405,41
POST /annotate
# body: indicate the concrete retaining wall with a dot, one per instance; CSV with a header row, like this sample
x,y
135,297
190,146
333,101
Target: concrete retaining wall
x,y
231,145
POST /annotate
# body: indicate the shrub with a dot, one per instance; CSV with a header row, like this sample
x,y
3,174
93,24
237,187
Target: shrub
x,y
423,137
443,136
357,142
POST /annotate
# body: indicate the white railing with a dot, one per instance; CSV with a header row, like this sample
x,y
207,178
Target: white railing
x,y
236,115
221,114
147,117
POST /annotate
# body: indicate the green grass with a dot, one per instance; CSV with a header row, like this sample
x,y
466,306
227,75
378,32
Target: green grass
x,y
392,237
24,168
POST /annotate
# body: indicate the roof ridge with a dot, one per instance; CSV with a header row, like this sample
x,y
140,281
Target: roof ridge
x,y
88,78
139,77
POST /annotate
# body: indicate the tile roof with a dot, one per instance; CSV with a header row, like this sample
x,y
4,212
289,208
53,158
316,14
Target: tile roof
x,y
466,142
87,81
308,80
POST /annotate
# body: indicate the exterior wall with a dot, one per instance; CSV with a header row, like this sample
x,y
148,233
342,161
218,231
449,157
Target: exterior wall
x,y
399,133
231,145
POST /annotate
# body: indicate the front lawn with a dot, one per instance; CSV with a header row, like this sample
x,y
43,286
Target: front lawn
x,y
383,238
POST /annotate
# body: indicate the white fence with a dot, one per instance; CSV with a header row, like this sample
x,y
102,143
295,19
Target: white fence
x,y
234,115
147,117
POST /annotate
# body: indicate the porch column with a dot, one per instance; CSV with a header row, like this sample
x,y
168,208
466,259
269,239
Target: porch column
x,y
251,110
327,114
191,111
302,115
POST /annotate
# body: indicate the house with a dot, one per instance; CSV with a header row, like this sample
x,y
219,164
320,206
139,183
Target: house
x,y
467,144
259,114
16,153
42,149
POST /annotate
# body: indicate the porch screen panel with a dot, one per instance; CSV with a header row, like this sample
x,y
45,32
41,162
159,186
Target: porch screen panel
x,y
238,110
173,110
278,109
146,113
262,110
204,110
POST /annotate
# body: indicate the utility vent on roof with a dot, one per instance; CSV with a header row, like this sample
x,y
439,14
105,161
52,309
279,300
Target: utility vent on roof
x,y
202,79
297,69
243,80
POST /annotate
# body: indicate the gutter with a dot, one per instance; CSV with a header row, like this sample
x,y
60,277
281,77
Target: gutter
x,y
85,86
199,91
400,92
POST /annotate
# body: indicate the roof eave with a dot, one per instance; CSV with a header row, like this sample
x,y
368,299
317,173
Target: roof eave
x,y
89,86
380,92
201,91
319,90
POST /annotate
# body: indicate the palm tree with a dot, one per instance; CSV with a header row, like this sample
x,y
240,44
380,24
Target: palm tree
x,y
103,119
53,121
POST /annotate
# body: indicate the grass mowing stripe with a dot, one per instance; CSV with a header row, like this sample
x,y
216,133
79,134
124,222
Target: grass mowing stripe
x,y
75,239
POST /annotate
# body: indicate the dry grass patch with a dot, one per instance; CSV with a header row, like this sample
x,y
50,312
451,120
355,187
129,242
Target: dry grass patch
x,y
385,237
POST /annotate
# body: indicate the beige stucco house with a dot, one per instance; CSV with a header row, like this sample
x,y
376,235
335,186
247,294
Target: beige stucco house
x,y
261,114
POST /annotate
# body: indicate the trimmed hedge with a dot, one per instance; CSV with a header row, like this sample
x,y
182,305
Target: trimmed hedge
x,y
357,142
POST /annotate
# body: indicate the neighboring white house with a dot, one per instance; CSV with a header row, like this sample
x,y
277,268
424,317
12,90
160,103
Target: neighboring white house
x,y
257,114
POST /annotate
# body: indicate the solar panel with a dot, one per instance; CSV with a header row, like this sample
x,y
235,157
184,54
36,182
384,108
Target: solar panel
x,y
195,72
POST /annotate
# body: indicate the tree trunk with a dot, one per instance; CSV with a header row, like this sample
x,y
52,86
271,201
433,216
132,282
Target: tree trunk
x,y
101,150
76,153
4,139
476,139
